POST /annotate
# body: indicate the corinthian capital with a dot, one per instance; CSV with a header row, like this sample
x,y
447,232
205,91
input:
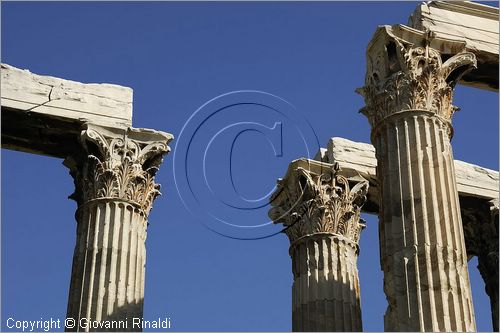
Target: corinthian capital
x,y
408,69
315,198
118,164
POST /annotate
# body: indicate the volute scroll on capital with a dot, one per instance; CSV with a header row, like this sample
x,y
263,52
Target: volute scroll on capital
x,y
118,164
405,72
309,203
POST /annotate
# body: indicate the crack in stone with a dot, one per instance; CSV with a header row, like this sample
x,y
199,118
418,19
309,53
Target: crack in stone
x,y
85,93
44,103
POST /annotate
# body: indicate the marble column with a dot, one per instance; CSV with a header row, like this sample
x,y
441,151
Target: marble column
x,y
114,174
408,95
321,215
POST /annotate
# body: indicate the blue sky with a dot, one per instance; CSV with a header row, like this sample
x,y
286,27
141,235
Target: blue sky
x,y
177,57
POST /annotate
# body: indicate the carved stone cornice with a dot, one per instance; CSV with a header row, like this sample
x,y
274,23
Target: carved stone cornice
x,y
118,164
309,202
409,70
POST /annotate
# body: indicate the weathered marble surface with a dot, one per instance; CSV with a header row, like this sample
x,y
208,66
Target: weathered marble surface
x,y
357,158
101,104
114,173
408,94
478,189
113,166
475,24
320,212
44,114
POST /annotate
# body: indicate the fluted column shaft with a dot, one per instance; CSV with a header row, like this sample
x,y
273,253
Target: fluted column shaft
x,y
422,245
408,94
321,214
109,263
114,189
325,292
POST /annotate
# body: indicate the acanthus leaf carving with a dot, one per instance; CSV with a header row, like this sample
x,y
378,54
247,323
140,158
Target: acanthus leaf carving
x,y
308,203
117,166
402,76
